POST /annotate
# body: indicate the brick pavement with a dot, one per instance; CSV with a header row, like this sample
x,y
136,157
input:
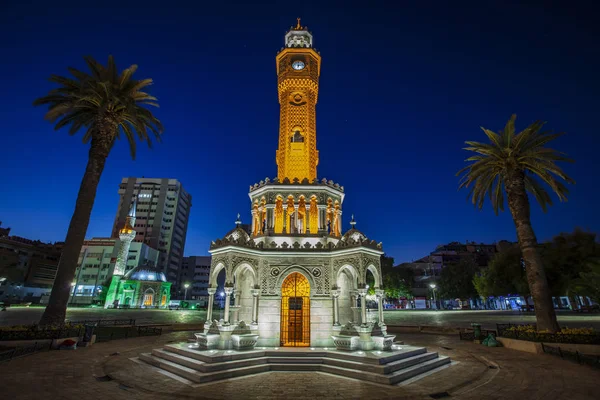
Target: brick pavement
x,y
73,375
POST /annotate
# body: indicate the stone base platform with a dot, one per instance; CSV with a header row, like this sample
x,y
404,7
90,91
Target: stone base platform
x,y
385,367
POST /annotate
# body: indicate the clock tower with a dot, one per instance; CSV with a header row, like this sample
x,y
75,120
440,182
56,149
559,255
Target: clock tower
x,y
298,70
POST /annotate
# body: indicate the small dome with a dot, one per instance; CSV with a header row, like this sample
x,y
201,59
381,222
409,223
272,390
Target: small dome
x,y
146,273
355,235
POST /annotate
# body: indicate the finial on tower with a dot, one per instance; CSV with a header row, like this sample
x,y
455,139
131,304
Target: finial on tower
x,y
130,219
238,221
353,222
298,26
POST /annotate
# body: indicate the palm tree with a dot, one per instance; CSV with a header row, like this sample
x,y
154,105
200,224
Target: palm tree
x,y
105,104
518,164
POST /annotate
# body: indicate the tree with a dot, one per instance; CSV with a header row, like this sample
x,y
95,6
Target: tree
x,y
588,283
105,104
566,256
456,279
397,281
519,164
503,275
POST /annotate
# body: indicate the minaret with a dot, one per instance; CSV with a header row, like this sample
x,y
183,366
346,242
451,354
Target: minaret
x,y
126,235
298,70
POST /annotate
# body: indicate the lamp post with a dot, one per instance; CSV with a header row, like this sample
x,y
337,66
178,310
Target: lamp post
x,y
433,286
186,286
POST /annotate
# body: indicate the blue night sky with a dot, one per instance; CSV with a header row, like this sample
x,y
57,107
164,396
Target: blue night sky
x,y
402,87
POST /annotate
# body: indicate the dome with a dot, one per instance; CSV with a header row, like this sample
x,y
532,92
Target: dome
x,y
355,235
146,273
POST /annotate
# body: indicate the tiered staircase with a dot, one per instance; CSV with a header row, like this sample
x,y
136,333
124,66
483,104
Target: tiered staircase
x,y
202,366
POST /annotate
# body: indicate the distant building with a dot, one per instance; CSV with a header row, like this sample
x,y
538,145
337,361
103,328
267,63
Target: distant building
x,y
4,231
195,271
97,262
162,218
27,267
427,270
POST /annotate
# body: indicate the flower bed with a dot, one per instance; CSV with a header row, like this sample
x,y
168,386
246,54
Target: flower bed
x,y
565,335
33,332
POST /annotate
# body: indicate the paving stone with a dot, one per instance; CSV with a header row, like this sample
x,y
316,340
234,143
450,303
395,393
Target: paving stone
x,y
72,375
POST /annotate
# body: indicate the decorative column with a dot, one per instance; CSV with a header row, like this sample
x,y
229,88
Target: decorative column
x,y
362,292
335,293
380,295
236,306
254,217
354,307
255,306
228,291
211,300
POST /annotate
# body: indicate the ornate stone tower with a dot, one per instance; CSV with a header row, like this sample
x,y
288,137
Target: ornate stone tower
x,y
298,70
126,234
296,259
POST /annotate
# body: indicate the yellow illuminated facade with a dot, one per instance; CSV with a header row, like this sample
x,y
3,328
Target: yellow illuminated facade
x,y
287,268
296,202
298,70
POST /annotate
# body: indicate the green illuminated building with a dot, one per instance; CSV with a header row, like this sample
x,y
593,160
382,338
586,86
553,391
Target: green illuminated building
x,y
143,286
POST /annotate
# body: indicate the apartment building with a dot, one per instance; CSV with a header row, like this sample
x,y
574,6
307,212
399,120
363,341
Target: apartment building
x,y
162,215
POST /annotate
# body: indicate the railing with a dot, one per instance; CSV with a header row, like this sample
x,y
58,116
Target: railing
x,y
105,333
104,322
44,334
470,334
588,359
21,351
534,336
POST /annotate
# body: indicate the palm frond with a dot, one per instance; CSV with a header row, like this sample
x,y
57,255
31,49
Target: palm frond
x,y
509,155
103,96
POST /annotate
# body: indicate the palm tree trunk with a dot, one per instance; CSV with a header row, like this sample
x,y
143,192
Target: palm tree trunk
x,y
56,310
518,203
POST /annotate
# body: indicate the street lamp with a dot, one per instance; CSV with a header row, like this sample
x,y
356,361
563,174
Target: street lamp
x,y
186,286
433,286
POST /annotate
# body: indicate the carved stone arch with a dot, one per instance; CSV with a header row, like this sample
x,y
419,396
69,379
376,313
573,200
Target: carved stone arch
x,y
373,265
353,262
296,268
241,268
218,264
351,272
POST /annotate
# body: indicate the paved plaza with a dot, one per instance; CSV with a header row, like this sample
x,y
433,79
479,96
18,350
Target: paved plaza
x,y
455,318
106,370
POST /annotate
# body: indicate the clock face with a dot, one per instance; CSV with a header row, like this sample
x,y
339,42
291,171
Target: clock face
x,y
298,65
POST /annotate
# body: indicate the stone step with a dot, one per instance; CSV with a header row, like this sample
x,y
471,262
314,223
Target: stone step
x,y
201,377
411,372
408,362
390,367
369,357
388,379
198,372
408,351
212,367
225,357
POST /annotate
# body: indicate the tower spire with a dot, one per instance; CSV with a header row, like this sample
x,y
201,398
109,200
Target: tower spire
x,y
130,220
298,26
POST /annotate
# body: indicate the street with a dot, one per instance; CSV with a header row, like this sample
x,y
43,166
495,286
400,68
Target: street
x,y
455,318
